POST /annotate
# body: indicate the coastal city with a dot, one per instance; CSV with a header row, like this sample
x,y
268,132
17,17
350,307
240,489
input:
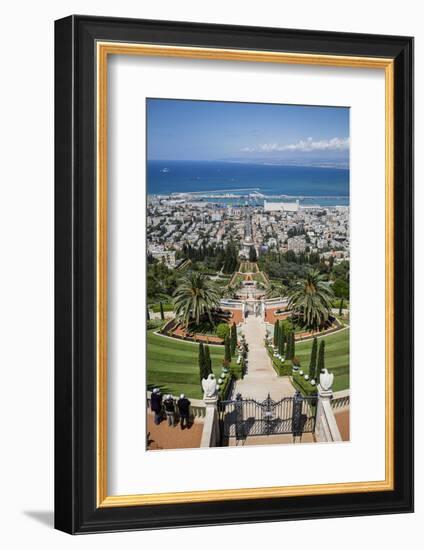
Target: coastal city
x,y
177,221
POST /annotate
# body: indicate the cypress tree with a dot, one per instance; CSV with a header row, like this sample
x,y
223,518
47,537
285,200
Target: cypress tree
x,y
202,369
289,351
276,330
208,362
313,361
227,356
162,315
321,361
293,346
233,338
148,313
290,348
288,344
341,307
281,339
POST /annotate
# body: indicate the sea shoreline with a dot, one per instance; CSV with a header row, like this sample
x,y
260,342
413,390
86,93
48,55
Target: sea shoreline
x,y
232,183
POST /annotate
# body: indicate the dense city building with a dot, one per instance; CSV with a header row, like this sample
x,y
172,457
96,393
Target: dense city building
x,y
172,223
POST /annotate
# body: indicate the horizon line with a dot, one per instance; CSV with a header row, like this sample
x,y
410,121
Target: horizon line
x,y
316,164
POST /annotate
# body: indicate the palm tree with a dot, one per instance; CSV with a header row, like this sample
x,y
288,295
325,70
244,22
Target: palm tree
x,y
275,290
195,296
230,291
311,299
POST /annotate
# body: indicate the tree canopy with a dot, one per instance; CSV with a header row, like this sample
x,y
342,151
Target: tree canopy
x,y
195,296
310,298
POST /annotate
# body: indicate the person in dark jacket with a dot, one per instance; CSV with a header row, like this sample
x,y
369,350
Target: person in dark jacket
x,y
156,404
184,410
169,406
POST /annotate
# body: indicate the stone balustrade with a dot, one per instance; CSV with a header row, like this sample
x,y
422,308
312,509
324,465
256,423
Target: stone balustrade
x,y
326,428
197,406
341,400
210,434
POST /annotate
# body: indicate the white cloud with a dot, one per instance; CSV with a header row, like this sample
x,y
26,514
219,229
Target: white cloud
x,y
304,145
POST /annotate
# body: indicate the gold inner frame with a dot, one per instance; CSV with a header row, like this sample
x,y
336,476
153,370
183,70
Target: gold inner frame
x,y
104,49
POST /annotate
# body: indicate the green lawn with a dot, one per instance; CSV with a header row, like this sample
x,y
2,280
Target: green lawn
x,y
259,278
336,357
172,365
166,307
238,279
337,301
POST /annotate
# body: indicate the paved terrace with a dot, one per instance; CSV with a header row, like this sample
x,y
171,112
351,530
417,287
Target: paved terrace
x,y
163,436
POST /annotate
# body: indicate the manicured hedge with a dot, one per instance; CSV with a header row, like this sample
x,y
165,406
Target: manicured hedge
x,y
222,330
304,386
237,370
224,388
282,369
154,323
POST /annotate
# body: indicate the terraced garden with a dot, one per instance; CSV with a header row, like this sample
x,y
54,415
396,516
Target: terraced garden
x,y
172,365
336,357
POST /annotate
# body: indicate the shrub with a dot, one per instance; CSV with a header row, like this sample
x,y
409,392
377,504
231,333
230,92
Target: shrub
x,y
237,370
304,386
313,360
276,330
287,325
222,330
227,349
154,323
233,338
281,340
208,362
224,387
282,369
289,346
321,359
202,363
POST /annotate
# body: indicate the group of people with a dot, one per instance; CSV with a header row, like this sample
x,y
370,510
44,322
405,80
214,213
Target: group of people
x,y
169,405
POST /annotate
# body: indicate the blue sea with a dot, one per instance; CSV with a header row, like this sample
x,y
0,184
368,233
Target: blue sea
x,y
310,184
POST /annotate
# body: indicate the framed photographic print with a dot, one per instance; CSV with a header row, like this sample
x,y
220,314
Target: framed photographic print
x,y
233,274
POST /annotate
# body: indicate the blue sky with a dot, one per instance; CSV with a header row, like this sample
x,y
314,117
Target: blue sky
x,y
208,130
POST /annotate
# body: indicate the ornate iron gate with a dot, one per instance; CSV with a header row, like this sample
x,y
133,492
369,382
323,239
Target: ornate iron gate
x,y
241,418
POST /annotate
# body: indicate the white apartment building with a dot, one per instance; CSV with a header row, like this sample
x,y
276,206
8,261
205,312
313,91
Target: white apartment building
x,y
165,256
281,206
297,244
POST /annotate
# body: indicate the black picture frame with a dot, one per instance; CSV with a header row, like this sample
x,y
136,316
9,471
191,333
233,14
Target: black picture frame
x,y
75,275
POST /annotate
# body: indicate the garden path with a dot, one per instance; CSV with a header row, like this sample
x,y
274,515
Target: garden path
x,y
261,378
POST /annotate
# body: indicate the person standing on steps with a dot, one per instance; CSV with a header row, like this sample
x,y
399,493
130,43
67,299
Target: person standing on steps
x,y
156,404
169,406
184,410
